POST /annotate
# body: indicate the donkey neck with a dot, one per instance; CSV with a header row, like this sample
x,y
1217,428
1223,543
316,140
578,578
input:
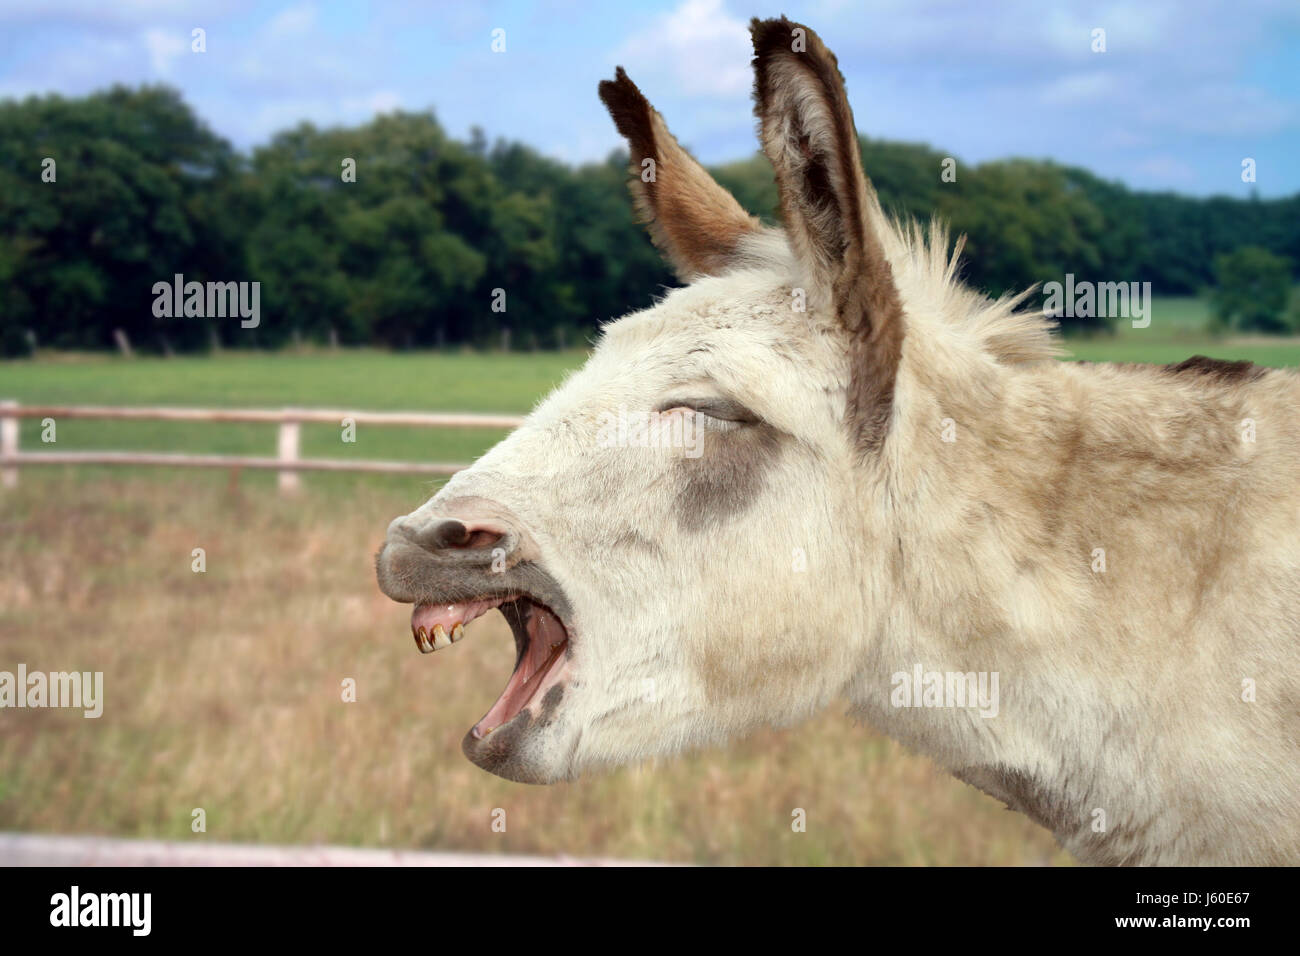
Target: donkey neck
x,y
988,576
1069,527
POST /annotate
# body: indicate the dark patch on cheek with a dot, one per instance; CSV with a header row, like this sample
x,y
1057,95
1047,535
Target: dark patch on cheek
x,y
727,478
550,702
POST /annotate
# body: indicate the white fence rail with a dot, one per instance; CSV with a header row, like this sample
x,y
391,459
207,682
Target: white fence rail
x,y
33,849
288,462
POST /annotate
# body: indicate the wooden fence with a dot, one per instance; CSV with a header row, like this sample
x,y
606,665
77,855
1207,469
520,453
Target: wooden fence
x,y
287,462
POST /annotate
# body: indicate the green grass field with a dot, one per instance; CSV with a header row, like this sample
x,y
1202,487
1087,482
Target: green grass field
x,y
356,380
1178,331
1278,353
428,381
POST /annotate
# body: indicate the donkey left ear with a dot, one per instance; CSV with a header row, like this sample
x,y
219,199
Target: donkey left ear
x,y
828,207
696,223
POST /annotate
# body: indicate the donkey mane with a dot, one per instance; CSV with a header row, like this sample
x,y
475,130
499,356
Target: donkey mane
x,y
928,276
926,267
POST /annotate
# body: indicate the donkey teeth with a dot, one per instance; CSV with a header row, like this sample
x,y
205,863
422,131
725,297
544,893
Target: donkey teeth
x,y
422,640
436,639
440,638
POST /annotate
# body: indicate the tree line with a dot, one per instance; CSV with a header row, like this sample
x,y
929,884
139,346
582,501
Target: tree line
x,y
393,233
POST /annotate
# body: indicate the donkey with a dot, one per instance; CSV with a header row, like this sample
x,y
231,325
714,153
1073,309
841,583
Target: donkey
x,y
890,489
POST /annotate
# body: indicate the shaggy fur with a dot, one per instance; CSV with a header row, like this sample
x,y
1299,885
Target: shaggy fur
x,y
791,564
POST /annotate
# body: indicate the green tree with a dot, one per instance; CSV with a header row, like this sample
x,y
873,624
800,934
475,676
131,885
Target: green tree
x,y
1253,288
410,250
101,197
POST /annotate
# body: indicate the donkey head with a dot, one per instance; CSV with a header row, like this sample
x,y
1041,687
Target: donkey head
x,y
667,532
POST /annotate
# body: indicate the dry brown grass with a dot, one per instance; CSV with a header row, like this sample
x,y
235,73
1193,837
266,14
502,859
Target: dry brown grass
x,y
223,691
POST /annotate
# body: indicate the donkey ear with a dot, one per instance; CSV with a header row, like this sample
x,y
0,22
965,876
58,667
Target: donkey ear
x,y
828,207
695,222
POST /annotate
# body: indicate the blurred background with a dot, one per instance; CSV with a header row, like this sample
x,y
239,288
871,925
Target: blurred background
x,y
381,170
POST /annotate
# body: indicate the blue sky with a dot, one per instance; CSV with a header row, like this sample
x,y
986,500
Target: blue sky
x,y
1185,90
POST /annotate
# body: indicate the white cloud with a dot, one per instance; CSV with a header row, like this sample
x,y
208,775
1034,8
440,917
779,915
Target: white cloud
x,y
380,101
1233,110
120,11
1166,169
293,21
164,46
704,50
1079,88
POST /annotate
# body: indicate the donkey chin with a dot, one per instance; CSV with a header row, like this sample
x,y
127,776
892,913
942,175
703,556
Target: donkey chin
x,y
456,569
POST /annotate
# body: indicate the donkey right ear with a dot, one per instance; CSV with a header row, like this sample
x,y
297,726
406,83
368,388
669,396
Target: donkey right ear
x,y
829,209
695,222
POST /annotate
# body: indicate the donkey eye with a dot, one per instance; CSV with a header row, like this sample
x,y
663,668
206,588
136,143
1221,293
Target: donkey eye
x,y
705,421
719,409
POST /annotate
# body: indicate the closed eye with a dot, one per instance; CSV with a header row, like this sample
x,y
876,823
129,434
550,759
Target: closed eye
x,y
719,409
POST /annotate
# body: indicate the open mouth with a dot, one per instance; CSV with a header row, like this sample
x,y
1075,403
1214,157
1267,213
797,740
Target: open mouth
x,y
541,642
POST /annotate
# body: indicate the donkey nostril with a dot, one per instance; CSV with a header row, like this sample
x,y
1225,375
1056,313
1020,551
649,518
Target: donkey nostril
x,y
452,534
481,538
449,534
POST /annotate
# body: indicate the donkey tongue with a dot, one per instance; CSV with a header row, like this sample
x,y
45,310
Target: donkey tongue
x,y
547,641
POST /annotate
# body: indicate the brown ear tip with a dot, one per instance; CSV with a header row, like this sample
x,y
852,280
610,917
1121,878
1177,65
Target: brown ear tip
x,y
774,35
620,93
629,109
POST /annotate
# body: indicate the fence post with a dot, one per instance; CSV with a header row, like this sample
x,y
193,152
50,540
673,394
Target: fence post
x,y
289,433
8,443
